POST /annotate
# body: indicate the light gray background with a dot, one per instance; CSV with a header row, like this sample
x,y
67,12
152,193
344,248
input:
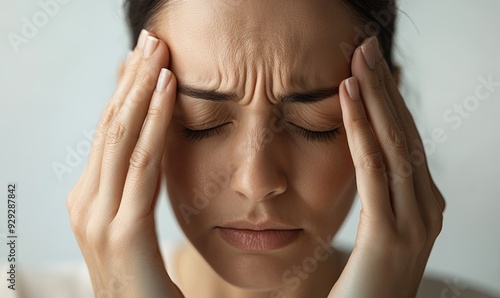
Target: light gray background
x,y
55,87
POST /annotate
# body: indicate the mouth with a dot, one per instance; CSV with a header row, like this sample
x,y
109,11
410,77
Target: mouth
x,y
263,236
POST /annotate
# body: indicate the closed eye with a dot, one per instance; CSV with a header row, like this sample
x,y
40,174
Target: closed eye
x,y
200,134
315,136
310,135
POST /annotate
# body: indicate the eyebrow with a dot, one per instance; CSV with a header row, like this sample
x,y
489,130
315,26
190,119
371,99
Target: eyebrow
x,y
294,97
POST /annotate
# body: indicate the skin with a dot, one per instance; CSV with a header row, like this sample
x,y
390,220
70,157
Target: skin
x,y
258,52
266,179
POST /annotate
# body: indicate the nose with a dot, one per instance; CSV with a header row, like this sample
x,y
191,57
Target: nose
x,y
260,172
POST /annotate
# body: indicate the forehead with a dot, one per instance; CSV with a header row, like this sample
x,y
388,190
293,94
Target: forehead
x,y
216,43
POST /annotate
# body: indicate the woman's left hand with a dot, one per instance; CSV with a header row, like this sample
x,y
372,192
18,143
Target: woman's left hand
x,y
402,209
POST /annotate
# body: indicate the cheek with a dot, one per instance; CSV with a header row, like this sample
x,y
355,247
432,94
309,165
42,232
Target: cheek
x,y
190,168
327,183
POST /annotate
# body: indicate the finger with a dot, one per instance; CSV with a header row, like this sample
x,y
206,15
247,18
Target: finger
x,y
390,135
124,130
371,176
416,149
142,182
428,198
92,171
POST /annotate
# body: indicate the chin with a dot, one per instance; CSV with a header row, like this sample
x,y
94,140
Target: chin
x,y
252,270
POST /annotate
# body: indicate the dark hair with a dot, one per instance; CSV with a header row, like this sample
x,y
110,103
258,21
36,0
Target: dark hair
x,y
376,17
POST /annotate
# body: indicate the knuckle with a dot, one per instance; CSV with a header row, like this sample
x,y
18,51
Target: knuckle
x,y
404,169
399,175
138,96
417,156
439,197
77,221
154,115
370,157
115,133
70,200
397,140
105,121
436,225
75,210
108,116
142,159
371,161
145,79
361,124
442,204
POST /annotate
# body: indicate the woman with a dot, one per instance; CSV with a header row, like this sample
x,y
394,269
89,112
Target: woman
x,y
264,118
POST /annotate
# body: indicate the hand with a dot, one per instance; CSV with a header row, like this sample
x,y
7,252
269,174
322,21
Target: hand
x,y
112,205
402,209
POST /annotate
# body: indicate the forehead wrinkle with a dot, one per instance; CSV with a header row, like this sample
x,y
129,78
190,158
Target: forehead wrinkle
x,y
278,47
276,54
294,53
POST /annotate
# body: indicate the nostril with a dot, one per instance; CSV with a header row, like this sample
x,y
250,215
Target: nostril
x,y
257,181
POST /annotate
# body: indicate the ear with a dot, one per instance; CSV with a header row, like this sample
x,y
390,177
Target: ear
x,y
396,75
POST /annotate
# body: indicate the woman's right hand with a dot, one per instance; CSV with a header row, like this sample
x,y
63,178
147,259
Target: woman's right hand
x,y
112,205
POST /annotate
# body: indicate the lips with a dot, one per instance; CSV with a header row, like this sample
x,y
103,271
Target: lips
x,y
258,236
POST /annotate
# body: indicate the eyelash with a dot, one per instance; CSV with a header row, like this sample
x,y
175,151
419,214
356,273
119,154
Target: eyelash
x,y
198,135
313,136
316,136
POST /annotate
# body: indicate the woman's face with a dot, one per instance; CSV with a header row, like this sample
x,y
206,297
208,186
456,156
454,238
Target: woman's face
x,y
272,68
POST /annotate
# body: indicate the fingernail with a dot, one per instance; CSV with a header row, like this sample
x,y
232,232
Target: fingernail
x,y
163,80
142,39
352,88
150,47
368,51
